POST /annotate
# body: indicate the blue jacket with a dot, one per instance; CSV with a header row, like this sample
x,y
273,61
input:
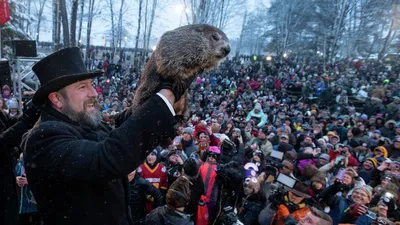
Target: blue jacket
x,y
260,116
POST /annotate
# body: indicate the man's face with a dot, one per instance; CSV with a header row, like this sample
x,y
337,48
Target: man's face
x,y
360,197
334,140
287,168
309,219
294,198
256,111
261,135
283,139
397,144
368,166
78,101
187,137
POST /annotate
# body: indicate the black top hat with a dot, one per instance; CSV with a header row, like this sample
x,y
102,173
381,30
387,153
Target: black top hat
x,y
58,70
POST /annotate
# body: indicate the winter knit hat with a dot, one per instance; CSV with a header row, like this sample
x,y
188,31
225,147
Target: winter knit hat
x,y
252,183
190,168
374,161
258,106
325,156
188,130
367,189
320,178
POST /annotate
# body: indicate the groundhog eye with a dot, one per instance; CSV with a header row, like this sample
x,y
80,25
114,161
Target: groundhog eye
x,y
215,37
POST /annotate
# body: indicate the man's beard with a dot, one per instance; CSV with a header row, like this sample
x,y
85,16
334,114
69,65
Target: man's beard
x,y
91,119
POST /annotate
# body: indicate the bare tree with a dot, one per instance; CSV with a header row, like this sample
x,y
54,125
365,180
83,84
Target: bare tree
x,y
91,14
82,12
39,15
74,17
138,32
113,42
239,46
151,22
64,17
56,24
120,23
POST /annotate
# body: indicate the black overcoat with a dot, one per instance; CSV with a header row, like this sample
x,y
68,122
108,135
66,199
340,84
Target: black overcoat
x,y
78,175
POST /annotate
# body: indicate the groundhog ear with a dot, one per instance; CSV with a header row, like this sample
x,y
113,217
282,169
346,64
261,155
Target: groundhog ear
x,y
199,30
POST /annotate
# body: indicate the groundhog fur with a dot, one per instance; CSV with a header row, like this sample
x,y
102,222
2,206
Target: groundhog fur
x,y
182,53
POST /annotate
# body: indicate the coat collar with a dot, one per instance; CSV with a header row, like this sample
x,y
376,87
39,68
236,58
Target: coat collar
x,y
51,114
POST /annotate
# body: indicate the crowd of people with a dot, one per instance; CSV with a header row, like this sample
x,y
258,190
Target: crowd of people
x,y
317,145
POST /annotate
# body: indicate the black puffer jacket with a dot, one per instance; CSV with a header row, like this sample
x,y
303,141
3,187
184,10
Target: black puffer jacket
x,y
138,189
164,215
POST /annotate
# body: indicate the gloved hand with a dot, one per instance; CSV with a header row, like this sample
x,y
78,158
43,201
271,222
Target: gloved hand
x,y
357,210
338,185
282,211
31,115
178,87
276,199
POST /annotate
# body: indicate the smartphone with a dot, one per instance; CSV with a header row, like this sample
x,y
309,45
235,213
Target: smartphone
x,y
277,154
341,173
286,180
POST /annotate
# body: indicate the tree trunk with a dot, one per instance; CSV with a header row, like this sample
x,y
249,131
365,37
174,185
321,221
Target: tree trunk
x,y
64,17
74,17
56,22
387,41
111,5
89,27
40,14
144,33
28,22
81,20
120,24
241,35
138,33
153,12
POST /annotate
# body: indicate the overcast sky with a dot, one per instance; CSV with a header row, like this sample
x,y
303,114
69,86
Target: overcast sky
x,y
168,18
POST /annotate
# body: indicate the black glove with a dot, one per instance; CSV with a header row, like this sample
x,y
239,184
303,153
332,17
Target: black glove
x,y
31,115
178,87
338,185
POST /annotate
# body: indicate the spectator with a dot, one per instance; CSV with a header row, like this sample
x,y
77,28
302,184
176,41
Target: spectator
x,y
156,173
178,197
140,191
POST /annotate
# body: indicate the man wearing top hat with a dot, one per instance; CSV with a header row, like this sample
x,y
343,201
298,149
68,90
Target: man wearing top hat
x,y
76,168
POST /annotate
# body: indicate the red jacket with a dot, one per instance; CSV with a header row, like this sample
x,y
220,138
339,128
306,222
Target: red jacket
x,y
208,175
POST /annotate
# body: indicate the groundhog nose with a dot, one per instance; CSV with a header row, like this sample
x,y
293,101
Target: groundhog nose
x,y
225,50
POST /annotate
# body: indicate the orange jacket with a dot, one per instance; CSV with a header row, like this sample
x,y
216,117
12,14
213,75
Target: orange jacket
x,y
283,212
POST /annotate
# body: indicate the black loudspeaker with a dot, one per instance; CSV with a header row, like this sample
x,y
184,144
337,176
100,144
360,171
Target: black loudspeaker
x,y
25,48
5,74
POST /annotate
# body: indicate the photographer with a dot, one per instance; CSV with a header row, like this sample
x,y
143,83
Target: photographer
x,y
286,207
346,210
252,202
238,140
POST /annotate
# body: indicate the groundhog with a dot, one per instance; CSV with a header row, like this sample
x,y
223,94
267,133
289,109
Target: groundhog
x,y
181,54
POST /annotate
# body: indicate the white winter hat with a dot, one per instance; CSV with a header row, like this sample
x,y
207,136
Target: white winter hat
x,y
13,104
258,106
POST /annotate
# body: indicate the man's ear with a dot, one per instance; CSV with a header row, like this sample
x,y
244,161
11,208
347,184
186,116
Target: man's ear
x,y
55,99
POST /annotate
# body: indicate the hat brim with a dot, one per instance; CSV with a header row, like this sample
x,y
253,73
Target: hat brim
x,y
40,97
298,193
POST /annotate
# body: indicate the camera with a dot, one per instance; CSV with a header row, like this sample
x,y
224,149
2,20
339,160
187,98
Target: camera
x,y
229,217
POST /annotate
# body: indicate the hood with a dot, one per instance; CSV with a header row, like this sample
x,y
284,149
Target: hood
x,y
390,121
174,217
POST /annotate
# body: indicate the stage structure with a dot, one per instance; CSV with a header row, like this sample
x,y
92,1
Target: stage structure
x,y
23,77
